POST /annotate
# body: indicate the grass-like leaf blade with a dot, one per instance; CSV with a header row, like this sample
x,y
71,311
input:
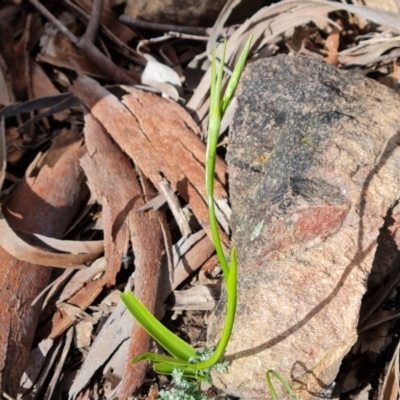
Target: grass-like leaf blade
x,y
230,318
160,358
234,79
173,344
282,381
214,125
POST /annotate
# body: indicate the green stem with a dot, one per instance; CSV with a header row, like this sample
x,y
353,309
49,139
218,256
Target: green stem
x,y
213,133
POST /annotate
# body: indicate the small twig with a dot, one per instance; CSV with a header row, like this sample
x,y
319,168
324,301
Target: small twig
x,y
85,43
7,396
59,25
191,30
187,36
94,21
121,47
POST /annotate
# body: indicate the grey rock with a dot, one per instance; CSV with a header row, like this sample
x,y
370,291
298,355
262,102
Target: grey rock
x,y
314,168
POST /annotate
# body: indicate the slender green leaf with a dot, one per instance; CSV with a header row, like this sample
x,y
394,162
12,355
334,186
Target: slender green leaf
x,y
160,358
214,125
166,369
282,381
230,318
173,344
234,80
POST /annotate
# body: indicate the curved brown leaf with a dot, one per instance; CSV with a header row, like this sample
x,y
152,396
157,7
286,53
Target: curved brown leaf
x,y
22,250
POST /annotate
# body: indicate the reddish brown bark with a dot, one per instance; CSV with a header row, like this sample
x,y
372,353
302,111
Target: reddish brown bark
x,y
45,204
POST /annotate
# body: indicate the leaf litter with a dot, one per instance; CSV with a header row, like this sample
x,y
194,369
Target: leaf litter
x,y
141,158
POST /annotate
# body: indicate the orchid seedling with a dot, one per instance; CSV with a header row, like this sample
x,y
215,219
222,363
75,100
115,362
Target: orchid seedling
x,y
196,365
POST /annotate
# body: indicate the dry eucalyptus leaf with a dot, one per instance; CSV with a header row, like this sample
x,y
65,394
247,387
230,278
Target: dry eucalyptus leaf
x,y
162,77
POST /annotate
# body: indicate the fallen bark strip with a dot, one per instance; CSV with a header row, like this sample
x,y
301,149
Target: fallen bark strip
x,y
147,244
136,140
113,181
108,170
45,204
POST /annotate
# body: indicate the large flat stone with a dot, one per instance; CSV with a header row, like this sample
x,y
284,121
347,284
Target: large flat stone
x,y
314,169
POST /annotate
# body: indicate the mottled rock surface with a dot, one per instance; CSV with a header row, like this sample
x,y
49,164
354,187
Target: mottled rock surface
x,y
314,169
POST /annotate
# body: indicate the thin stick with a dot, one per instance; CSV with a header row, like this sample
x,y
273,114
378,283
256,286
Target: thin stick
x,y
191,30
120,46
59,25
94,21
86,43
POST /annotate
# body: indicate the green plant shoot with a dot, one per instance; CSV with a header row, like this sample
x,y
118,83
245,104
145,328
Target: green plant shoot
x,y
182,356
218,107
282,381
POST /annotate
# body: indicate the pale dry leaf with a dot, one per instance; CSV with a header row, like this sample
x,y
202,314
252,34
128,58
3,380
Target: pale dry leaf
x,y
47,369
392,79
390,388
36,361
266,25
275,20
83,333
388,5
42,86
55,287
184,244
219,23
74,312
114,333
368,51
161,77
81,278
116,364
60,364
198,297
192,255
175,207
67,246
154,204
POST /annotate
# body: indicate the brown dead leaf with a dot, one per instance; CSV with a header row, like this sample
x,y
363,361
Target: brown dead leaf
x,y
115,332
57,50
23,251
332,46
189,255
392,79
82,299
16,58
42,87
6,96
110,21
113,182
390,388
109,173
56,373
36,361
78,281
198,297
